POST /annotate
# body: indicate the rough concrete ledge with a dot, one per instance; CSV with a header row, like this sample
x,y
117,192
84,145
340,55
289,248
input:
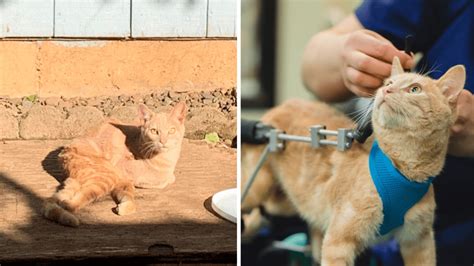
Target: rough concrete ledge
x,y
88,68
65,118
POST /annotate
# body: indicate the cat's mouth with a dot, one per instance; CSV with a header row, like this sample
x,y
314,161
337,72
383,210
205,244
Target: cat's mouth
x,y
380,102
383,101
161,148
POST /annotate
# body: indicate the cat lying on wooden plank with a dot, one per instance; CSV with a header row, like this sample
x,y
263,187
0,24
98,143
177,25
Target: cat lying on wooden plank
x,y
114,158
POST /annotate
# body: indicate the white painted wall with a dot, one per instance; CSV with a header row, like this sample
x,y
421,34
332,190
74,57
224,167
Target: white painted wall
x,y
221,18
92,18
20,18
177,18
118,18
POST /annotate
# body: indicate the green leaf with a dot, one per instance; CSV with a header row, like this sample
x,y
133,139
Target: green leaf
x,y
212,137
32,98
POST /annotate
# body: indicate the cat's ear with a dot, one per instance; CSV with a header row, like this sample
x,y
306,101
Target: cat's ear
x,y
180,111
144,113
397,68
452,82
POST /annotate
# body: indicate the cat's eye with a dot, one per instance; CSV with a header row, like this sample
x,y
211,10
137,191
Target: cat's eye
x,y
388,82
172,130
414,89
154,131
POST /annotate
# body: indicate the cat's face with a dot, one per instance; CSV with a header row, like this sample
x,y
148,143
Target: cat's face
x,y
410,101
162,131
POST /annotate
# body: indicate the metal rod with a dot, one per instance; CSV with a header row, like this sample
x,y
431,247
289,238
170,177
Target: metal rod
x,y
260,162
294,138
328,142
328,132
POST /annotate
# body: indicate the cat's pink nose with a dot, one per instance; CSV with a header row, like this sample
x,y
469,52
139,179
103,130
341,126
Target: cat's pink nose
x,y
163,139
387,90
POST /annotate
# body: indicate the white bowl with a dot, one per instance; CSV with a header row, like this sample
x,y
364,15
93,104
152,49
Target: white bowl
x,y
225,204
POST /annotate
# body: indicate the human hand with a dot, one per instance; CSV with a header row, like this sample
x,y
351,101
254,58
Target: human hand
x,y
367,61
462,132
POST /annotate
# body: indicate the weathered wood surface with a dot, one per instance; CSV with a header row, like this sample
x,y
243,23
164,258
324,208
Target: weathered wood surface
x,y
172,223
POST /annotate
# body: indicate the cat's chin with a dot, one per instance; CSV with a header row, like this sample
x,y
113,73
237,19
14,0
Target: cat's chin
x,y
388,120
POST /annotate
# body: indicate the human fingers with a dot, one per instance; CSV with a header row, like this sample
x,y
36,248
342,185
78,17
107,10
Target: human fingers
x,y
377,47
362,79
359,91
363,62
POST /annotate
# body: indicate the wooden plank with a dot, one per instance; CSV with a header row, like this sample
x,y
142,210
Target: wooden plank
x,y
221,18
26,18
92,18
171,224
177,18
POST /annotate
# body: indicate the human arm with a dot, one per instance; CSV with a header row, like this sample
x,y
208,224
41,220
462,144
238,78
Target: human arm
x,y
347,60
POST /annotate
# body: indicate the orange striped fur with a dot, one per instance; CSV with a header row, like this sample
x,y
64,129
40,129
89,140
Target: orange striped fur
x,y
114,158
333,191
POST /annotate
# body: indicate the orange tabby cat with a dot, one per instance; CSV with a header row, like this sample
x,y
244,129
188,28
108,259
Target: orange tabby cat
x,y
114,158
333,191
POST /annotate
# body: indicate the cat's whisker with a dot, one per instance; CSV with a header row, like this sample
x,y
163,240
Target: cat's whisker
x,y
432,69
364,114
147,149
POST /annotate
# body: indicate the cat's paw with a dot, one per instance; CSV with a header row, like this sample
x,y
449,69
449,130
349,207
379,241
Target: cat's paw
x,y
126,208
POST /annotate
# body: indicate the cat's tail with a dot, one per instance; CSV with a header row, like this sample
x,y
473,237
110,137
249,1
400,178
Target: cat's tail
x,y
54,212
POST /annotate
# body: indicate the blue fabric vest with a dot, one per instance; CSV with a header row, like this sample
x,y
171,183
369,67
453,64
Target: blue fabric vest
x,y
398,194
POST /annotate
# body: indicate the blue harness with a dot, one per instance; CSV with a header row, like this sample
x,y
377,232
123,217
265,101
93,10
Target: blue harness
x,y
398,194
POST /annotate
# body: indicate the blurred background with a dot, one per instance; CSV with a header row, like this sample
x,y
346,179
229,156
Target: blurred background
x,y
274,34
273,37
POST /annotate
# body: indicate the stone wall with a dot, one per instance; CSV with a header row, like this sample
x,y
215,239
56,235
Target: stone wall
x,y
35,117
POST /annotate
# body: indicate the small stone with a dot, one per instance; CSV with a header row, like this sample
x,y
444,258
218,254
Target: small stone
x,y
53,101
205,120
167,101
233,111
207,95
123,98
41,122
26,104
66,105
9,124
82,102
80,119
95,102
174,95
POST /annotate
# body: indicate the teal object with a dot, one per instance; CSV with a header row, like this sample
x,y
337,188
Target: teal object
x,y
298,239
298,258
398,194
